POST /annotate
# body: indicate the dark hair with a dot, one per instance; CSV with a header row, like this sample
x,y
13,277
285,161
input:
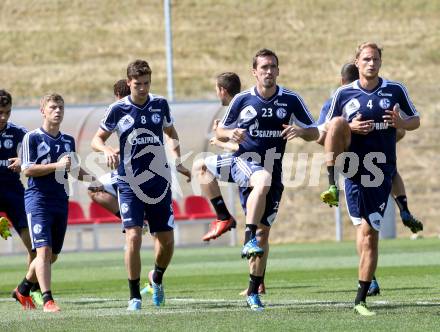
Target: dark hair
x,y
261,53
229,81
349,72
138,68
121,89
365,45
5,98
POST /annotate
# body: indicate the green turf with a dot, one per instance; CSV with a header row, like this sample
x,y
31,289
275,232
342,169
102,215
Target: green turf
x,y
310,287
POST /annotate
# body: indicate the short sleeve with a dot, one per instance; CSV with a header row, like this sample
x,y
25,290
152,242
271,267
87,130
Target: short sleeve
x,y
168,120
301,115
406,105
29,151
108,123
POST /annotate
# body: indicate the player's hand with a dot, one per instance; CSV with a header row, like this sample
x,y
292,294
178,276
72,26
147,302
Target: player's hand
x,y
290,132
237,135
359,126
213,141
184,171
15,164
215,124
112,158
64,163
393,117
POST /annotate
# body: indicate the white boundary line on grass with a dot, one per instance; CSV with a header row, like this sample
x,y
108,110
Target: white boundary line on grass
x,y
277,303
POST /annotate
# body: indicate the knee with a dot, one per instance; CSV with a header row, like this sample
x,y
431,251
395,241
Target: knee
x,y
261,183
370,240
133,237
92,195
199,167
167,240
263,236
339,124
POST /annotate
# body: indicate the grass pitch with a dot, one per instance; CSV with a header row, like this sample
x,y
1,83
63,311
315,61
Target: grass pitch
x,y
310,287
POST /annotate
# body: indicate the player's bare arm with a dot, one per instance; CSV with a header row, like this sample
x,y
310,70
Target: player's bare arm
x,y
173,137
394,119
308,134
237,134
98,144
224,144
38,170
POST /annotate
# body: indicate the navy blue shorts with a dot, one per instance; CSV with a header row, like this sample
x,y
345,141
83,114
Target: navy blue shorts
x,y
368,203
273,200
157,209
47,222
12,203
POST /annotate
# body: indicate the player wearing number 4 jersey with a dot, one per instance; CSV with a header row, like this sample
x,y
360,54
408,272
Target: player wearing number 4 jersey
x,y
261,120
387,107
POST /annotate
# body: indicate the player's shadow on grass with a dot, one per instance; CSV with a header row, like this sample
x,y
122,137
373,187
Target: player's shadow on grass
x,y
233,290
407,288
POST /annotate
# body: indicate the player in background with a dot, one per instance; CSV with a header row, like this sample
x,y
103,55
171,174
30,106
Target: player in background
x,y
144,176
12,194
261,120
385,106
46,161
218,167
108,198
209,170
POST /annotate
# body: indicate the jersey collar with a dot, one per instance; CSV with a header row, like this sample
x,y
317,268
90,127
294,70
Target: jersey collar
x,y
278,92
382,84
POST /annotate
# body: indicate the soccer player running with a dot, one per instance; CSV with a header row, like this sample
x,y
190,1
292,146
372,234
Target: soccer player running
x,y
46,161
144,177
108,197
386,106
12,196
261,120
213,168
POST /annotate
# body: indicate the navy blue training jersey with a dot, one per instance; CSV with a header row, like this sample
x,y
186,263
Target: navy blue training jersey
x,y
10,141
140,130
324,112
39,147
351,99
264,119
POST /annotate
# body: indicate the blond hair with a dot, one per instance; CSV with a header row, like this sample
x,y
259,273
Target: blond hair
x,y
370,45
55,97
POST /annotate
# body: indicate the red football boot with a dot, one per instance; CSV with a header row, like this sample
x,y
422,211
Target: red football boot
x,y
25,301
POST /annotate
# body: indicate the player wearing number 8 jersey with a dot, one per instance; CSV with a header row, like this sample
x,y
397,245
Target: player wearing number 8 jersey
x,y
144,175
